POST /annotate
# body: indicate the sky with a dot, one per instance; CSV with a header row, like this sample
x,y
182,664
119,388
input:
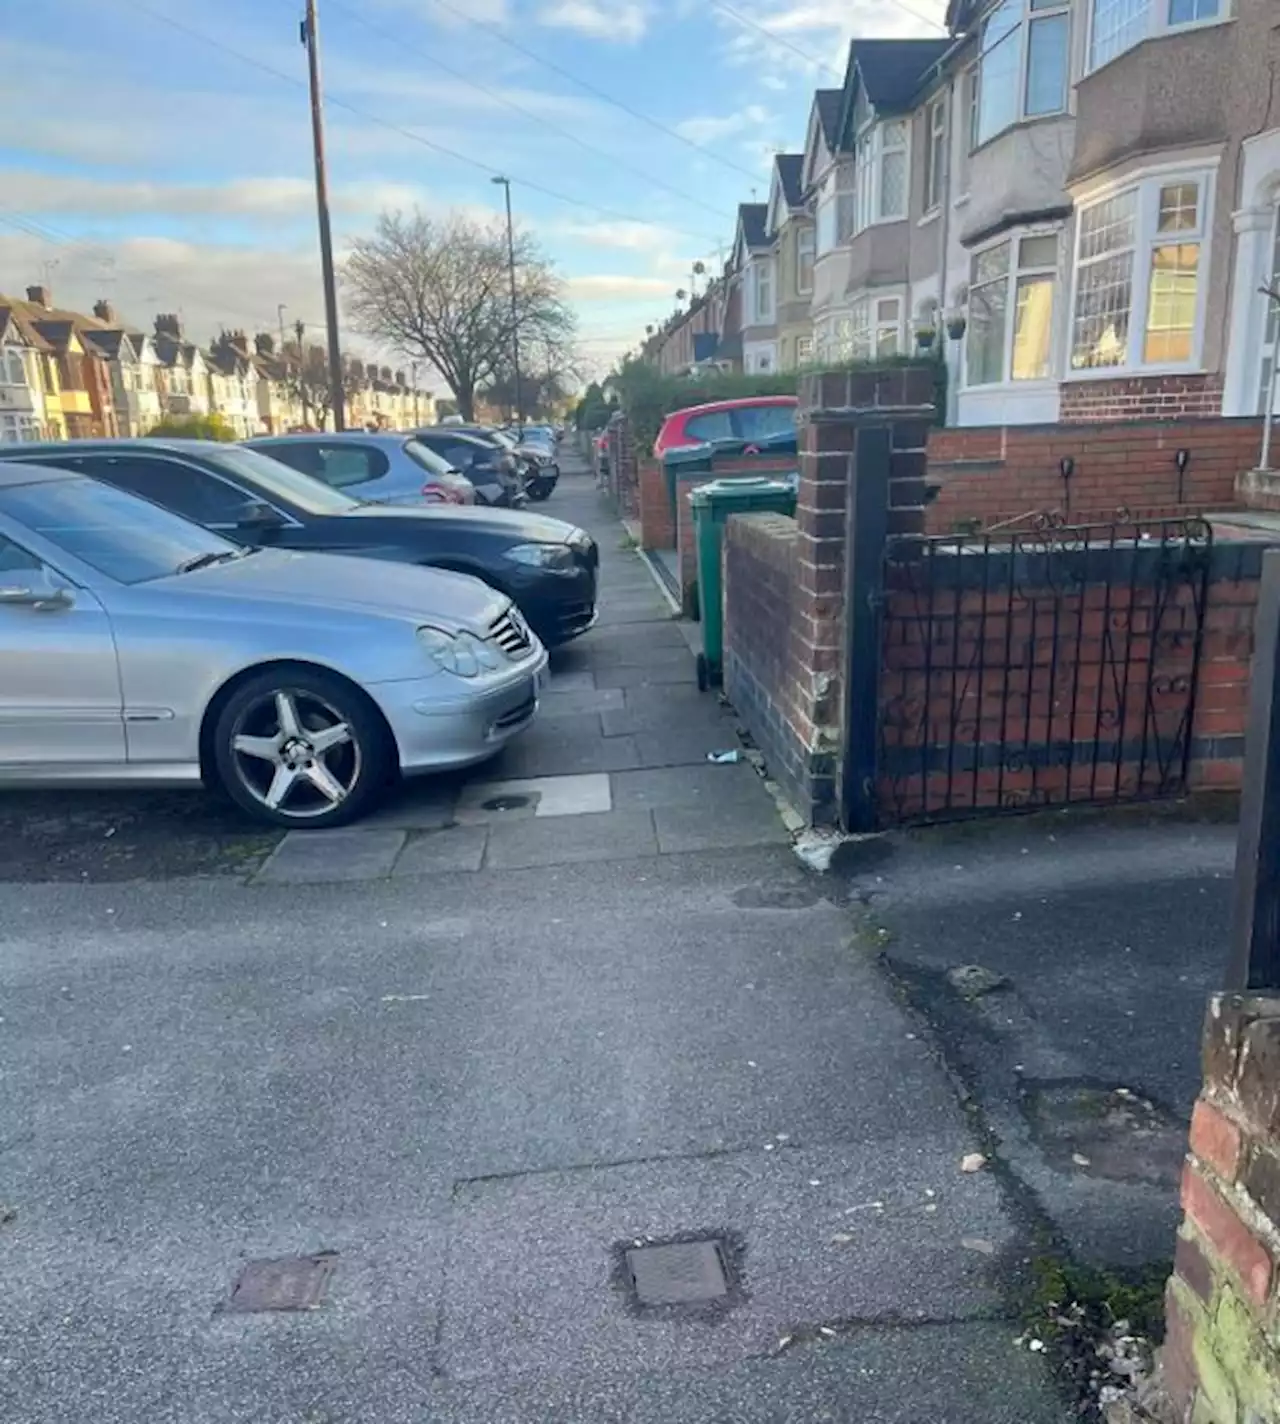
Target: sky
x,y
157,153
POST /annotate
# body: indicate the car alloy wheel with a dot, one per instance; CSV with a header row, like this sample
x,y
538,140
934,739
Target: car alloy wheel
x,y
306,752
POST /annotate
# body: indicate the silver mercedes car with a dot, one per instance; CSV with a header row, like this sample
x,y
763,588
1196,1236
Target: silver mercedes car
x,y
136,647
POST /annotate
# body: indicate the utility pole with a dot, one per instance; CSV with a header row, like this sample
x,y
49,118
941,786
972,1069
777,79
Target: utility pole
x,y
311,38
515,310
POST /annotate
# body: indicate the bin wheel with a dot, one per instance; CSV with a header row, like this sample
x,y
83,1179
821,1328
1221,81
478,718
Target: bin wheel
x,y
704,673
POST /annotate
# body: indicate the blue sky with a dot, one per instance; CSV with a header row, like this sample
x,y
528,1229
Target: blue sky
x,y
150,166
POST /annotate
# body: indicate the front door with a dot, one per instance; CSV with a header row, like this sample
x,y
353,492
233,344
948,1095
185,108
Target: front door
x,y
60,697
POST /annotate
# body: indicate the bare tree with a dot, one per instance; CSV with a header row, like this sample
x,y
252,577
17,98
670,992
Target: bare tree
x,y
440,292
307,381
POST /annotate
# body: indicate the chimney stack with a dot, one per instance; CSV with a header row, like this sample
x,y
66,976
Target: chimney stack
x,y
41,296
104,311
265,344
169,324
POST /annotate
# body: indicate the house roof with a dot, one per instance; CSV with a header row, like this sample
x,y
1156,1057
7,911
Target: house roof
x,y
828,102
59,333
753,223
109,343
790,167
15,326
891,70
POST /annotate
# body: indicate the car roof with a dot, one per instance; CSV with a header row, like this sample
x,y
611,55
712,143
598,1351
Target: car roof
x,y
13,474
385,437
450,432
116,447
735,404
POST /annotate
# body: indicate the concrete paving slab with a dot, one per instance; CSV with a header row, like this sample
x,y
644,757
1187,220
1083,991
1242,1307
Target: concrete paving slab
x,y
690,828
568,840
575,701
458,848
417,804
679,746
547,750
542,796
327,857
705,787
660,674
533,1269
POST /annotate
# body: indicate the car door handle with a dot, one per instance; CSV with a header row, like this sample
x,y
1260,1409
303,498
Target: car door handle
x,y
40,598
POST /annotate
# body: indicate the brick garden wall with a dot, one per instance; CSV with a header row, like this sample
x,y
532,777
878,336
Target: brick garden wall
x,y
1021,680
1220,1359
996,473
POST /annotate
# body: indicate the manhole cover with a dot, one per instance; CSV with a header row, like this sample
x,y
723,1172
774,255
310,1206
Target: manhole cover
x,y
680,1274
506,803
292,1283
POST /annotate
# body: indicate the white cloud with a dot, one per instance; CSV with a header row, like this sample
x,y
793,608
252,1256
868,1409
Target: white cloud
x,y
710,128
624,21
620,236
620,287
811,37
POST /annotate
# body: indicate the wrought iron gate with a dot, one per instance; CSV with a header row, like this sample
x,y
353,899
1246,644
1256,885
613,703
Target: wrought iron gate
x,y
1037,667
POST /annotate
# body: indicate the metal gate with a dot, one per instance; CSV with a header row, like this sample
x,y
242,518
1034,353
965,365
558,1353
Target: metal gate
x,y
1038,667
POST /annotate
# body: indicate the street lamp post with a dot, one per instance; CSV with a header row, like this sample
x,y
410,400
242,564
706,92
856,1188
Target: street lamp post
x,y
515,310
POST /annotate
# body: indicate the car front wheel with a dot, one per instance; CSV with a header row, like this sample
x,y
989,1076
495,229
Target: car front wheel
x,y
301,748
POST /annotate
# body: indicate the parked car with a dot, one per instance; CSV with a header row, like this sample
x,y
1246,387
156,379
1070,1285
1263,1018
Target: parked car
x,y
537,466
386,468
137,647
492,469
547,567
749,419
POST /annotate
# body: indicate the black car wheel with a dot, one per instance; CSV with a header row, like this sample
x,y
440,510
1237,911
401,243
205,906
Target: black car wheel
x,y
301,748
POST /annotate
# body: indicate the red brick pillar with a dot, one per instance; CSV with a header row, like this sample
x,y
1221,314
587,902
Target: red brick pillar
x,y
1220,1360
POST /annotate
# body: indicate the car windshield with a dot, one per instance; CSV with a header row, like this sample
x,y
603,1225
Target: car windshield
x,y
129,539
426,458
276,480
500,436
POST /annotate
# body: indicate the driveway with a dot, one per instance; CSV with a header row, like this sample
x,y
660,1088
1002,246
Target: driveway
x,y
459,1064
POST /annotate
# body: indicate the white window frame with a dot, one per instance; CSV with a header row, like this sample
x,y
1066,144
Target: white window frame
x,y
870,153
936,138
8,356
1033,13
868,323
1156,23
807,238
1014,239
804,350
763,297
1147,185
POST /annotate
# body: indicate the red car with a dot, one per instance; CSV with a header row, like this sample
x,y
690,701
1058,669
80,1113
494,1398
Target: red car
x,y
749,418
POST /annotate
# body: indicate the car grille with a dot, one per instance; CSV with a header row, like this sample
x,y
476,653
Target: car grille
x,y
511,633
517,716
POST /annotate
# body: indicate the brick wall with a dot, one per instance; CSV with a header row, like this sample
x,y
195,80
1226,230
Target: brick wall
x,y
1141,398
995,473
657,520
1220,1359
1020,679
784,651
623,468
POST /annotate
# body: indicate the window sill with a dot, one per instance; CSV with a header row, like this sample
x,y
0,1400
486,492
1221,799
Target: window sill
x,y
1128,373
1040,386
930,217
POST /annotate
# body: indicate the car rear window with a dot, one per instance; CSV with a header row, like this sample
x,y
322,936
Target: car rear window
x,y
714,425
759,422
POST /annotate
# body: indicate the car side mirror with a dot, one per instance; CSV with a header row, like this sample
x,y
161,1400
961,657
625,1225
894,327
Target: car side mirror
x,y
258,516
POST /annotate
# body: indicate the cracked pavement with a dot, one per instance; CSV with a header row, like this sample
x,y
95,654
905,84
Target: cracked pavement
x,y
477,1079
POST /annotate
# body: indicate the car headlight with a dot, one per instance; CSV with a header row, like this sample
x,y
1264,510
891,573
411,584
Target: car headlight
x,y
462,654
542,556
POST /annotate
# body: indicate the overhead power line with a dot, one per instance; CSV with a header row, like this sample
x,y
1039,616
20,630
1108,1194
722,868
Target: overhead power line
x,y
335,103
775,37
586,84
496,94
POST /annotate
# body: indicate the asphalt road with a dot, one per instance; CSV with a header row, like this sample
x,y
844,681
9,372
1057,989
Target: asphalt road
x,y
479,1087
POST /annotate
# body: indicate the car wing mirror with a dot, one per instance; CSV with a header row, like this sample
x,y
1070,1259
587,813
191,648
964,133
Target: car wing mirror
x,y
259,515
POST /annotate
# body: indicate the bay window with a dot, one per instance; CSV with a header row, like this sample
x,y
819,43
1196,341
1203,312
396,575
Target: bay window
x,y
1118,25
804,262
1023,64
762,269
835,210
1139,258
1011,296
13,369
880,175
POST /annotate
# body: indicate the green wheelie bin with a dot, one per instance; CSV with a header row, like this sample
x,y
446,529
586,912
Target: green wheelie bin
x,y
712,505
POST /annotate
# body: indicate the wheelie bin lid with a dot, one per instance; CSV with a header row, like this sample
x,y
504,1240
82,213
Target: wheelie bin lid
x,y
738,489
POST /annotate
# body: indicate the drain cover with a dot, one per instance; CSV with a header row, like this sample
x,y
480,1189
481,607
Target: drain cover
x,y
292,1283
506,803
680,1274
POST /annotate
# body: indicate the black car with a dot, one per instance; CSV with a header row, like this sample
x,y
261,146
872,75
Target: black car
x,y
548,567
537,467
484,462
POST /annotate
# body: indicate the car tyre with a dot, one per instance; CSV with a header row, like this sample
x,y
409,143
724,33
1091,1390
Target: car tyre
x,y
301,748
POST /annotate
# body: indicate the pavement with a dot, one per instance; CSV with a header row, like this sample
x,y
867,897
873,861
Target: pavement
x,y
479,1048
1062,965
